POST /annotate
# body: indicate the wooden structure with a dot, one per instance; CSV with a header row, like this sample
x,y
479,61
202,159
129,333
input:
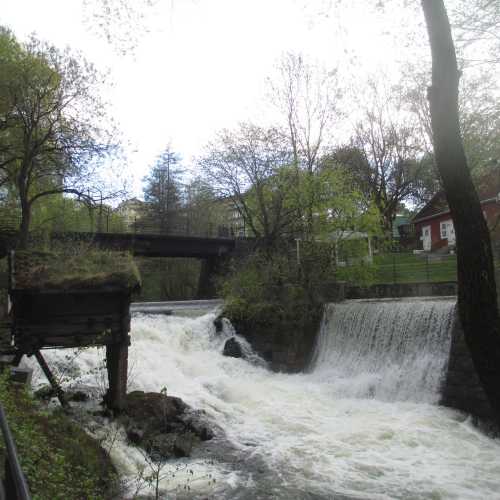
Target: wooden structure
x,y
51,308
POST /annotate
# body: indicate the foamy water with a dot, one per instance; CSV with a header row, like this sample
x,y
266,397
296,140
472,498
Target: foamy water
x,y
305,436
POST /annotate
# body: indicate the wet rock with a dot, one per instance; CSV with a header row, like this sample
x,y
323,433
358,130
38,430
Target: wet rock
x,y
153,408
219,324
232,348
163,425
195,423
135,435
183,444
161,446
77,396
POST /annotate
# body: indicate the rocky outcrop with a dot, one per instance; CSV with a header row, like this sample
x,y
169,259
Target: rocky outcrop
x,y
219,324
232,348
286,345
163,425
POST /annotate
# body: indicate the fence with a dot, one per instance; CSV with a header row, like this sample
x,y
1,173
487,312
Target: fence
x,y
14,486
415,268
401,267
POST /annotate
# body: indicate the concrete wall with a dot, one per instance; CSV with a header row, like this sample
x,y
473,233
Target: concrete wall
x,y
461,387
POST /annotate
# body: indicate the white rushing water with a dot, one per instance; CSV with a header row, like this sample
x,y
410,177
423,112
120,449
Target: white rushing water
x,y
360,425
385,349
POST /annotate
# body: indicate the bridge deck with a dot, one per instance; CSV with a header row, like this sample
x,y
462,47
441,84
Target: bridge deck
x,y
150,245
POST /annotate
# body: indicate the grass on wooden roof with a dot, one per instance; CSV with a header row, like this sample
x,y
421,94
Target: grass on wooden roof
x,y
65,270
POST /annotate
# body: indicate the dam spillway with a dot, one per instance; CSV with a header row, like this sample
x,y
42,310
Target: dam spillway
x,y
391,350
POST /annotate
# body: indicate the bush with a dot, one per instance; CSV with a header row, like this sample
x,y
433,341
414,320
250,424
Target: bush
x,y
274,289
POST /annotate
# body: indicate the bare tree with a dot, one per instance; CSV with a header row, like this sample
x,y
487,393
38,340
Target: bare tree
x,y
249,168
477,27
479,115
306,95
121,23
386,155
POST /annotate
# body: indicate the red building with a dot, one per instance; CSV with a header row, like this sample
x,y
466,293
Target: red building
x,y
434,225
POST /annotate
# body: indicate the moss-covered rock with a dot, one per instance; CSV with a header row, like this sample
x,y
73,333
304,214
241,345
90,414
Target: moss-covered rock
x,y
163,425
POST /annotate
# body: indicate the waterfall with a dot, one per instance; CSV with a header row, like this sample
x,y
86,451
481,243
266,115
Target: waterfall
x,y
357,425
391,350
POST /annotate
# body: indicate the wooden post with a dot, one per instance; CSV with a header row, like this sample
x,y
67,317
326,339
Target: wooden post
x,y
117,366
53,382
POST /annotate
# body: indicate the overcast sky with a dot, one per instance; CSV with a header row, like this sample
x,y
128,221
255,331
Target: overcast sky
x,y
182,69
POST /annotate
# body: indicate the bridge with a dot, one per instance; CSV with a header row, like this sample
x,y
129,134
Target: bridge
x,y
147,244
155,245
213,251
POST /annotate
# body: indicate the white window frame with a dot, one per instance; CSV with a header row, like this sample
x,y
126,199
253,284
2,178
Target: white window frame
x,y
443,229
446,229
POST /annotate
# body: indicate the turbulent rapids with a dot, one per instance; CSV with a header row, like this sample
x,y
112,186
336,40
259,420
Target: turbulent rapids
x,y
362,423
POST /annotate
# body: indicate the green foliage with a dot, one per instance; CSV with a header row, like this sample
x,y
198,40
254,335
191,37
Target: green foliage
x,y
168,278
59,459
274,289
50,138
58,213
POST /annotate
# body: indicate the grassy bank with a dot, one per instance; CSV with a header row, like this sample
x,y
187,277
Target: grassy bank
x,y
59,459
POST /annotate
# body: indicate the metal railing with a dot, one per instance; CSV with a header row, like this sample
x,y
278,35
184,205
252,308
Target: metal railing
x,y
139,225
14,485
404,267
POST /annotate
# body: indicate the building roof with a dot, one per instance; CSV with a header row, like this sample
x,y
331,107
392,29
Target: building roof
x,y
435,206
90,270
131,203
438,205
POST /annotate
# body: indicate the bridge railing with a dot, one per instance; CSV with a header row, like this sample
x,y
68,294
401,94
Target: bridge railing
x,y
181,227
14,485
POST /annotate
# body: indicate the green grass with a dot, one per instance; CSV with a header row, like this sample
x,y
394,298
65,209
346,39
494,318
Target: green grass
x,y
60,461
408,268
74,267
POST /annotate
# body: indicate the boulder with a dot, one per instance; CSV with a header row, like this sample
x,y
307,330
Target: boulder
x,y
163,425
232,348
219,324
183,444
135,434
195,423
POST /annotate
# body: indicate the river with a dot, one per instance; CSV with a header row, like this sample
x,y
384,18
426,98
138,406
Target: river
x,y
363,423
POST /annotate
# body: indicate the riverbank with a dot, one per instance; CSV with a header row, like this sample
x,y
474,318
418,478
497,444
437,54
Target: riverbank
x,y
60,460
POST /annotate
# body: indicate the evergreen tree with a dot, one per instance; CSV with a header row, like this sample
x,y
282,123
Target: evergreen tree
x,y
162,192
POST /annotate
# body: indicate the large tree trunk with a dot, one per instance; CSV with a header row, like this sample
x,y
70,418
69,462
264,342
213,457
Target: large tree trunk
x,y
25,218
477,295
